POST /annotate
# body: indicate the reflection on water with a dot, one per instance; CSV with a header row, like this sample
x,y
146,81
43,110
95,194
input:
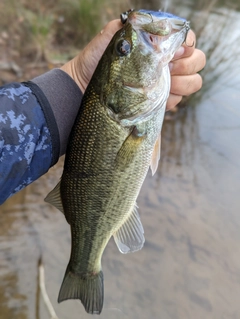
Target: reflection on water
x,y
190,265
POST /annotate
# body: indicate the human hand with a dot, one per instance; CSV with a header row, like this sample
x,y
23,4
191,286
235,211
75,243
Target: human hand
x,y
184,67
81,67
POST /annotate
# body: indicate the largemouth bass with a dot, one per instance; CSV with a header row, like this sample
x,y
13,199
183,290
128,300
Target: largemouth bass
x,y
115,138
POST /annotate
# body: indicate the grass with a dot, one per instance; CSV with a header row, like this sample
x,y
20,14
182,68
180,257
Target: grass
x,y
38,30
50,30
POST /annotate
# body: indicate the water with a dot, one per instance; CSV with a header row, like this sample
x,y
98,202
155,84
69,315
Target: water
x,y
190,264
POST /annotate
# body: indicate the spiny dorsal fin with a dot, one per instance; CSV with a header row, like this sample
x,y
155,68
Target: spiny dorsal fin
x,y
129,237
156,155
54,198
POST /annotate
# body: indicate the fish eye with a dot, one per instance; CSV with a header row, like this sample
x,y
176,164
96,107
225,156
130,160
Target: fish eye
x,y
123,47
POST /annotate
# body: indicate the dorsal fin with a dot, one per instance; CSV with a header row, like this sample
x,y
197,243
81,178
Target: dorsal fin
x,y
54,198
129,237
156,155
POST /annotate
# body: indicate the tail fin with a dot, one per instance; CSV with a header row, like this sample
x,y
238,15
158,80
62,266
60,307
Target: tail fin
x,y
88,288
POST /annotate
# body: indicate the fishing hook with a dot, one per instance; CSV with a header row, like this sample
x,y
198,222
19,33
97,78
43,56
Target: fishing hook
x,y
151,16
188,28
124,16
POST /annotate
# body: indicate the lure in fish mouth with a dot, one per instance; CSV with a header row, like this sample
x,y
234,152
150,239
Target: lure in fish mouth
x,y
115,138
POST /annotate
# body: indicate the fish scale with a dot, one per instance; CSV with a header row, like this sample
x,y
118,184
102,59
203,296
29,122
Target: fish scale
x,y
112,143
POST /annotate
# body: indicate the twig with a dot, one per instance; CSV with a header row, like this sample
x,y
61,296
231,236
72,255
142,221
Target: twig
x,y
44,292
11,66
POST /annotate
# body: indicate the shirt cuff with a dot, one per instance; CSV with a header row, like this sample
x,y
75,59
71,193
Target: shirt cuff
x,y
64,97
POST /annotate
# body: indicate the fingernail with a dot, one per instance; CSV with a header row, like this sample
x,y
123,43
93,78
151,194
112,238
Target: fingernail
x,y
170,66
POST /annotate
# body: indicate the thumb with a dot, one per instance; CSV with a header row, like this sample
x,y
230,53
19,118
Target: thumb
x,y
81,67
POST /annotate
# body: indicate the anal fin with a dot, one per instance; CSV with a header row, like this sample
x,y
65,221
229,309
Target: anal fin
x,y
54,198
129,237
156,155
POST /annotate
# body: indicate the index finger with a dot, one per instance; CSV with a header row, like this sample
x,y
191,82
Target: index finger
x,y
187,48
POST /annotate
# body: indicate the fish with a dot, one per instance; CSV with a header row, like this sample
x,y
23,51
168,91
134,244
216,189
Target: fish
x,y
113,142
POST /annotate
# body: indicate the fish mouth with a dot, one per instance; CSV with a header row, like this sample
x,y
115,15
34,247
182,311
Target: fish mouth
x,y
144,17
155,37
159,35
158,31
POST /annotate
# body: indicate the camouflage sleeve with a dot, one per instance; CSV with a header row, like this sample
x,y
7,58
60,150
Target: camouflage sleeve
x,y
36,118
29,140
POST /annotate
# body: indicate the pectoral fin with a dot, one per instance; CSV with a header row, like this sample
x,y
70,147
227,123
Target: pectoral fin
x,y
129,237
156,155
130,147
54,198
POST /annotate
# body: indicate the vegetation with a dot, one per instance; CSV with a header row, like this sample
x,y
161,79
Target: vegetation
x,y
41,30
52,31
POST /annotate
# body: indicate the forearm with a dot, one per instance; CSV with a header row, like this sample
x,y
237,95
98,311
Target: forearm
x,y
64,97
35,121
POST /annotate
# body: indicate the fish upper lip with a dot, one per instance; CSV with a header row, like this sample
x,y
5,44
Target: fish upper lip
x,y
154,29
178,24
140,17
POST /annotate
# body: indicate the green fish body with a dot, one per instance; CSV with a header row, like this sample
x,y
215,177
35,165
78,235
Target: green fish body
x,y
116,136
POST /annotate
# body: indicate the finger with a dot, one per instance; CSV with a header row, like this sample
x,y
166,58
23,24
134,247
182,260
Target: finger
x,y
99,43
190,65
96,46
187,48
185,84
109,30
172,101
189,44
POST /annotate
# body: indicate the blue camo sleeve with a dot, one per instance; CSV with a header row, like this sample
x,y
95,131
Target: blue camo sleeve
x,y
29,141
